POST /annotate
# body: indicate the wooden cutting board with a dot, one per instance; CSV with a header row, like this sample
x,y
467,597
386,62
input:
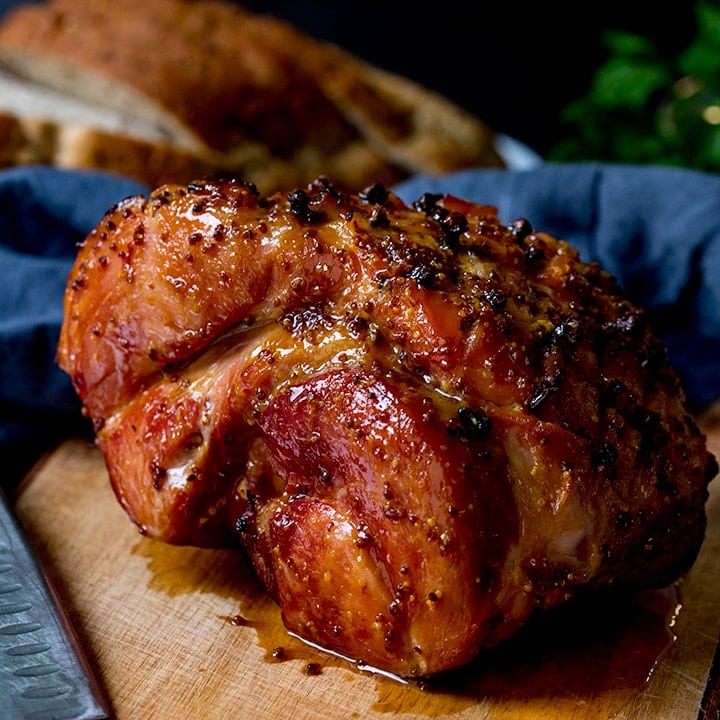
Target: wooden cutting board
x,y
186,633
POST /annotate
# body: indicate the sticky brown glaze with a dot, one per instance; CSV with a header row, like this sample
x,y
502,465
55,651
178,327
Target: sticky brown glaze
x,y
421,423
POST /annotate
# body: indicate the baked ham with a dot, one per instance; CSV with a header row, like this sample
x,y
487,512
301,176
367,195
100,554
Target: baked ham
x,y
420,422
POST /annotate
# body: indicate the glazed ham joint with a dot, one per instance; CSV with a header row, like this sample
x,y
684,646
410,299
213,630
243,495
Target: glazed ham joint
x,y
422,423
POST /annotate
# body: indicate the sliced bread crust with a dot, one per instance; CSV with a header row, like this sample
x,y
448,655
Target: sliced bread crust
x,y
161,89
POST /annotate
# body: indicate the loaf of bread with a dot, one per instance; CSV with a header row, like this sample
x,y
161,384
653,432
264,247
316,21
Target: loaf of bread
x,y
168,90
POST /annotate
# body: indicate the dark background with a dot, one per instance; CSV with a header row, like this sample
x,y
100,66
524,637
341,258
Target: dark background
x,y
514,65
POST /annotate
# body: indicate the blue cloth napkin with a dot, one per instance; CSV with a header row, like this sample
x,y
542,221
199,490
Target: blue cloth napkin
x,y
656,229
44,213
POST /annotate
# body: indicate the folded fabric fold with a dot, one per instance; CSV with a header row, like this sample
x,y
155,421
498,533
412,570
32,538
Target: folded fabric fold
x,y
656,229
44,213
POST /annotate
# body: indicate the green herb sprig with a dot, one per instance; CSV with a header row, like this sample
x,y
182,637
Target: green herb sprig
x,y
645,108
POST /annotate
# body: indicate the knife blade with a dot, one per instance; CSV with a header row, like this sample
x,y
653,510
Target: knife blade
x,y
44,673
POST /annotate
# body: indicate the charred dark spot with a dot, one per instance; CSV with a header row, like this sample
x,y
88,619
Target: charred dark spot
x,y
379,218
219,233
473,424
300,207
545,388
139,235
393,513
243,524
520,229
79,282
427,203
158,473
534,253
362,540
427,266
439,214
376,194
454,225
423,275
496,299
358,326
566,333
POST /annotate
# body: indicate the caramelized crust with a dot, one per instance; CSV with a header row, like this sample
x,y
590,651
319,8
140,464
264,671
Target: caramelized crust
x,y
421,423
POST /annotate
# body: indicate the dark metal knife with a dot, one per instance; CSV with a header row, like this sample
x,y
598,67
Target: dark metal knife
x,y
43,673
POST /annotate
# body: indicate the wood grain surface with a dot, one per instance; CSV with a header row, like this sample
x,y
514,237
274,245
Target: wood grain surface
x,y
177,632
